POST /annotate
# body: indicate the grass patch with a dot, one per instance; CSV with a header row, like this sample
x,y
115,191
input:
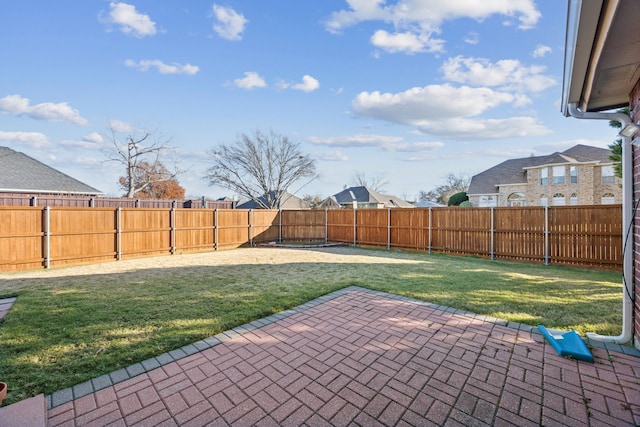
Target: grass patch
x,y
70,325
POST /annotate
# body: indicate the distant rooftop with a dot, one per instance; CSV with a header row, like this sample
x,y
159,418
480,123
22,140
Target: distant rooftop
x,y
20,173
513,171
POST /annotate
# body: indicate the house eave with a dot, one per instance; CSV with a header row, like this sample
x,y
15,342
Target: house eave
x,y
56,192
602,54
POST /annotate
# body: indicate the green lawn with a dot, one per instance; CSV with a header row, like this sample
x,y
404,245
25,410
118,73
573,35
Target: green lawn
x,y
72,324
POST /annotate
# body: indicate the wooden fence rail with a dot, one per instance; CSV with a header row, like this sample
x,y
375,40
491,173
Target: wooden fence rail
x,y
37,237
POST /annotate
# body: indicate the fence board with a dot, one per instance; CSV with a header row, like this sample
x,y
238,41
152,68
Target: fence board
x,y
372,227
21,238
340,226
33,237
461,231
520,233
145,232
233,228
410,229
194,230
579,235
81,235
304,225
264,225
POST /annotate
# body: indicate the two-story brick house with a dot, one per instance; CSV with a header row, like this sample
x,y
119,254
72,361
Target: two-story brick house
x,y
581,175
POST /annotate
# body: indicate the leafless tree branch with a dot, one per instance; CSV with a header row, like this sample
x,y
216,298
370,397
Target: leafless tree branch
x,y
260,167
137,151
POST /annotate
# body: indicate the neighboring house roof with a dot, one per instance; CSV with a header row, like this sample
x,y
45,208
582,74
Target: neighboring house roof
x,y
288,201
427,204
20,173
514,171
366,195
330,203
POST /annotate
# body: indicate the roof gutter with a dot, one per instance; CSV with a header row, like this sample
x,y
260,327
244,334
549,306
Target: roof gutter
x,y
50,192
627,218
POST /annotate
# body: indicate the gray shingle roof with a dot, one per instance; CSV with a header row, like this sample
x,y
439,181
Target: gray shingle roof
x,y
513,172
288,201
21,173
366,195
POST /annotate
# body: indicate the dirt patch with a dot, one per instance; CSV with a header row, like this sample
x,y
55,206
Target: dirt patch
x,y
241,256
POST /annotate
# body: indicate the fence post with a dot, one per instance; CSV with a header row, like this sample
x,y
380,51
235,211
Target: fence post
x,y
215,229
546,235
355,229
388,229
250,227
430,230
492,249
172,228
326,225
118,233
47,237
280,226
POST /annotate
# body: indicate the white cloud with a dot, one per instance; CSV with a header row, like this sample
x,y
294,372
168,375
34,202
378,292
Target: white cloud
x,y
60,112
448,111
423,18
359,140
229,23
331,156
120,126
162,68
35,140
308,84
464,128
250,80
541,50
472,38
129,20
406,42
93,137
507,74
433,102
411,147
92,140
77,144
387,143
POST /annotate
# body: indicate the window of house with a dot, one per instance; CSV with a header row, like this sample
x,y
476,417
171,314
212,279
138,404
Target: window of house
x,y
608,199
488,201
544,176
608,175
543,200
573,174
516,199
573,199
558,200
558,174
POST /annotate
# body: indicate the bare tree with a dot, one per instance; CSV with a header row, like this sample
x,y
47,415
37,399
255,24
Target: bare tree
x,y
139,151
453,184
260,167
314,200
151,179
376,183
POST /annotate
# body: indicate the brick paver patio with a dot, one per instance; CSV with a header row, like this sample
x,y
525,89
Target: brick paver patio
x,y
357,357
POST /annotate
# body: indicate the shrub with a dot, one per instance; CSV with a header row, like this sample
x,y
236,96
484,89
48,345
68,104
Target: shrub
x,y
458,198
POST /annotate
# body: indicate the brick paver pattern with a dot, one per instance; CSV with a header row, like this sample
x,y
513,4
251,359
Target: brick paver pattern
x,y
364,358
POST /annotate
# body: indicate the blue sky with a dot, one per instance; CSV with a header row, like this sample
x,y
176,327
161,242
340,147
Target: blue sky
x,y
404,90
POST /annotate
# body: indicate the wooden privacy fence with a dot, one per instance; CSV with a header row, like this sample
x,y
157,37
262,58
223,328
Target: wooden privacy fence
x,y
36,237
